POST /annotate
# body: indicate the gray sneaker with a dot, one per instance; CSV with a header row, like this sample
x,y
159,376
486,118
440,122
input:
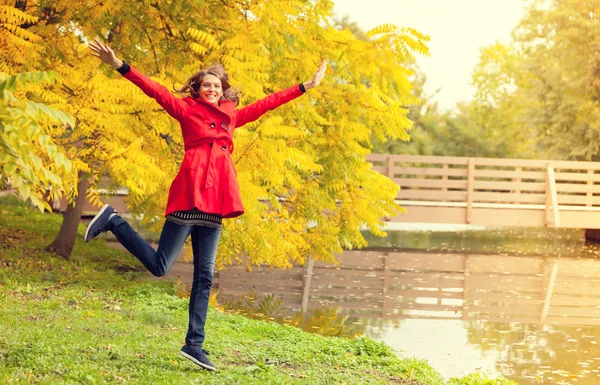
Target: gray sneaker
x,y
99,224
198,356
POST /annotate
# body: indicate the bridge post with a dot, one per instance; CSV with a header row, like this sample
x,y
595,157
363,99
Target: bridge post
x,y
550,271
390,170
590,184
465,306
517,180
445,179
308,271
470,183
386,279
551,197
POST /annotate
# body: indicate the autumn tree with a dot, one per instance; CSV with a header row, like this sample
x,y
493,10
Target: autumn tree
x,y
29,156
541,91
302,171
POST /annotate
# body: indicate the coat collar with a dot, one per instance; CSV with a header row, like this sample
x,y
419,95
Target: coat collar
x,y
227,107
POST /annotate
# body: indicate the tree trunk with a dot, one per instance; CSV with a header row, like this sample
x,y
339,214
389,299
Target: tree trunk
x,y
47,197
63,244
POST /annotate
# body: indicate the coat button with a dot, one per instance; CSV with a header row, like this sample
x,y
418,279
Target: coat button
x,y
213,125
224,148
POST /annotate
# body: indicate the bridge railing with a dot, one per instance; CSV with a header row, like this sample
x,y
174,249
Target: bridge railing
x,y
479,190
552,186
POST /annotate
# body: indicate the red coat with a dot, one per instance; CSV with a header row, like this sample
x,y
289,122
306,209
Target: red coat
x,y
207,179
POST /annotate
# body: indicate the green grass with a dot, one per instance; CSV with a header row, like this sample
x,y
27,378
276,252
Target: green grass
x,y
99,319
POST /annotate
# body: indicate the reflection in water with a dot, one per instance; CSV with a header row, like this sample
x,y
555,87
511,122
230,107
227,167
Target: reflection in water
x,y
323,320
553,353
533,319
515,241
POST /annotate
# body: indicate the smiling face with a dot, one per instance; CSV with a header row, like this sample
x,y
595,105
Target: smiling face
x,y
210,85
211,89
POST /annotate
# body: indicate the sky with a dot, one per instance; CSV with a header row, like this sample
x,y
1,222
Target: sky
x,y
458,30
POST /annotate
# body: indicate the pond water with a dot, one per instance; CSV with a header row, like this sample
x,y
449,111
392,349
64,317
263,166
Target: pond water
x,y
520,303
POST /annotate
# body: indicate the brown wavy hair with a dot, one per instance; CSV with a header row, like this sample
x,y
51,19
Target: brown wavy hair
x,y
192,86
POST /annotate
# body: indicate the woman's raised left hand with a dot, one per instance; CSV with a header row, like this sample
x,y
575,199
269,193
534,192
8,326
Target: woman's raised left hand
x,y
317,77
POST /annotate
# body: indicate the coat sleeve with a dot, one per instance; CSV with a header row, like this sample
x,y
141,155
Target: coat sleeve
x,y
172,104
255,110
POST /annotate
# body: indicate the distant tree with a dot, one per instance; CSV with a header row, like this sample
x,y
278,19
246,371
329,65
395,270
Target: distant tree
x,y
537,97
541,92
474,129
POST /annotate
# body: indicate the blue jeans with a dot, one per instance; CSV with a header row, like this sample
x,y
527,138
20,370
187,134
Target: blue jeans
x,y
205,241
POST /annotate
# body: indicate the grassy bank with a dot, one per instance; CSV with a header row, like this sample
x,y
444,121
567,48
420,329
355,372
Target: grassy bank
x,y
98,319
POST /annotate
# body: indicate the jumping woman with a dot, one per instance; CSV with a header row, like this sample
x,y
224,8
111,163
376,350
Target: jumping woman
x,y
205,189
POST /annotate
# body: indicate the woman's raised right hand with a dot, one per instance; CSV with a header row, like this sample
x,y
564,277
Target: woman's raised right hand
x,y
105,53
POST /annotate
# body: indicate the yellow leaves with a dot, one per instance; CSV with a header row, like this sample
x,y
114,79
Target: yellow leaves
x,y
14,16
253,83
422,37
18,44
382,29
250,58
24,79
342,37
336,187
11,20
21,33
241,42
299,375
203,37
359,132
302,161
240,65
273,128
198,49
30,159
414,40
79,165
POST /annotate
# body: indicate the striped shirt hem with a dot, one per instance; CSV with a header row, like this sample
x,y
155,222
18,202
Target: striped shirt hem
x,y
195,218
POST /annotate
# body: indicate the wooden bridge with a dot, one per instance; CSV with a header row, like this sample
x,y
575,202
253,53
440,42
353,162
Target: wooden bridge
x,y
482,191
494,192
